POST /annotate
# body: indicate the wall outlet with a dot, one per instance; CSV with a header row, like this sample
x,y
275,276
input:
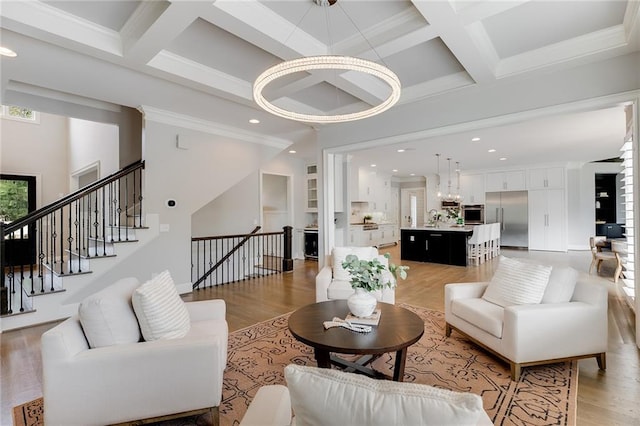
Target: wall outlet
x,y
164,227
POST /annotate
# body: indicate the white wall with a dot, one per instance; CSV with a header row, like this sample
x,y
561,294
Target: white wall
x,y
193,177
93,143
37,150
238,208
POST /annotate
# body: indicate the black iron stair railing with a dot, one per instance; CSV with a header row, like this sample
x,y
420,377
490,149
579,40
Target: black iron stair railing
x,y
66,233
229,258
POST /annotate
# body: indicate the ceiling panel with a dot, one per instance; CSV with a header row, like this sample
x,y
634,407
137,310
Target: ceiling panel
x,y
424,62
537,24
214,47
324,97
109,14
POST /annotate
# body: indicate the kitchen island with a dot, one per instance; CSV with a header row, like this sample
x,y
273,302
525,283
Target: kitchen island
x,y
444,244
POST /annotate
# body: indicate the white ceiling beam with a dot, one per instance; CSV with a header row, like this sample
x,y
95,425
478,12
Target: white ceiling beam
x,y
454,35
42,21
154,25
590,46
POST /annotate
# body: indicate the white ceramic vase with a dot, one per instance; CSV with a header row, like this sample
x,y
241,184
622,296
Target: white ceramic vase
x,y
362,303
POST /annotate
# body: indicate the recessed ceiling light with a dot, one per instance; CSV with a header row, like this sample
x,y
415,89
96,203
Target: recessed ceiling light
x,y
476,139
412,174
292,151
5,51
492,150
503,158
395,170
401,150
373,165
254,121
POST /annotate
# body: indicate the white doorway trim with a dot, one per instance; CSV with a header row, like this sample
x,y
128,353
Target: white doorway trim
x,y
289,213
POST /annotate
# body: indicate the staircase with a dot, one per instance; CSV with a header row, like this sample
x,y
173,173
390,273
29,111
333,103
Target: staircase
x,y
70,244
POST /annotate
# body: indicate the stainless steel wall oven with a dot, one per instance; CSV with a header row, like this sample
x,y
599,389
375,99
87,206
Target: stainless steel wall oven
x,y
473,214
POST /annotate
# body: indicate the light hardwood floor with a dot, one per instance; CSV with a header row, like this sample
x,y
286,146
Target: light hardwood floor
x,y
604,398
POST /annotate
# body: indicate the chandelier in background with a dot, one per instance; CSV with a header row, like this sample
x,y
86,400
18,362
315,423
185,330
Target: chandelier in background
x,y
449,197
438,193
327,62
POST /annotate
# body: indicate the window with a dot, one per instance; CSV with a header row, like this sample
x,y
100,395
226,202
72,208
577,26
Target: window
x,y
14,112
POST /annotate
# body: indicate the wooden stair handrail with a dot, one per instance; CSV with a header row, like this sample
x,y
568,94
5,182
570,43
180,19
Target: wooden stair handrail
x,y
37,214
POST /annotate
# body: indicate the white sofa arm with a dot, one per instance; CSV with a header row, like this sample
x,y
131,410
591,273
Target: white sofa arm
x,y
207,310
75,380
583,331
323,279
270,406
463,291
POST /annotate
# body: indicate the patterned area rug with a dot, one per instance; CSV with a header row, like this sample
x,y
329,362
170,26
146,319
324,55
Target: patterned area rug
x,y
545,395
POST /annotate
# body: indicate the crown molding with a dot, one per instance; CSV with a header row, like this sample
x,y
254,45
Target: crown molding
x,y
205,126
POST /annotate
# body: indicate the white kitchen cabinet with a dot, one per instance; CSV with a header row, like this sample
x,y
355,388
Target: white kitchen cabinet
x,y
358,237
389,234
472,189
312,188
547,230
362,185
512,180
382,193
548,178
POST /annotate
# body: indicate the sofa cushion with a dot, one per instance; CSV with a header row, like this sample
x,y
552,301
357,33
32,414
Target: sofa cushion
x,y
332,397
107,316
339,254
562,282
517,283
160,310
482,314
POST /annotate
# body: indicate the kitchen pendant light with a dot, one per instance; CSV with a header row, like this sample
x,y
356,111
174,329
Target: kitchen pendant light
x,y
439,193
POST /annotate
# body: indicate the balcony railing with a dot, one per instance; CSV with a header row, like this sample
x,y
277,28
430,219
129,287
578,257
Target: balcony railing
x,y
224,259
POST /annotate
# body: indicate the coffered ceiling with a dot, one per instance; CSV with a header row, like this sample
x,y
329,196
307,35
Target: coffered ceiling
x,y
200,58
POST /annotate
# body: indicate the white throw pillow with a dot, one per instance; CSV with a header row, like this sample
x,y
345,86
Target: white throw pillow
x,y
160,310
562,283
107,316
339,254
331,397
517,283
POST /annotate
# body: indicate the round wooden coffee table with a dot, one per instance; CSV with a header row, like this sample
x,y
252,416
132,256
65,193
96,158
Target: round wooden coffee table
x,y
398,329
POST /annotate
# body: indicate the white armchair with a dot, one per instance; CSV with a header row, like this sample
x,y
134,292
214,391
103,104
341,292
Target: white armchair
x,y
531,334
125,382
332,282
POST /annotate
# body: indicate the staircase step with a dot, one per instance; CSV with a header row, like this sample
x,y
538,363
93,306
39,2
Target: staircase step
x,y
99,241
93,252
68,270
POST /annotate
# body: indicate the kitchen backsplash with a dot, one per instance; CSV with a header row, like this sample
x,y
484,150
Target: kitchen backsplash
x,y
358,213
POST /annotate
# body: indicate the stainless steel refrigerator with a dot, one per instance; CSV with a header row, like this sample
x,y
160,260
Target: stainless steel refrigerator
x,y
510,208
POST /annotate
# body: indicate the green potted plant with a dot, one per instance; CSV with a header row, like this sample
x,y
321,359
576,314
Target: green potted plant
x,y
368,276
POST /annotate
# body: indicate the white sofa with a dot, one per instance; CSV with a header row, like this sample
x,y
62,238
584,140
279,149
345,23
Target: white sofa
x,y
123,382
332,282
352,399
533,333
